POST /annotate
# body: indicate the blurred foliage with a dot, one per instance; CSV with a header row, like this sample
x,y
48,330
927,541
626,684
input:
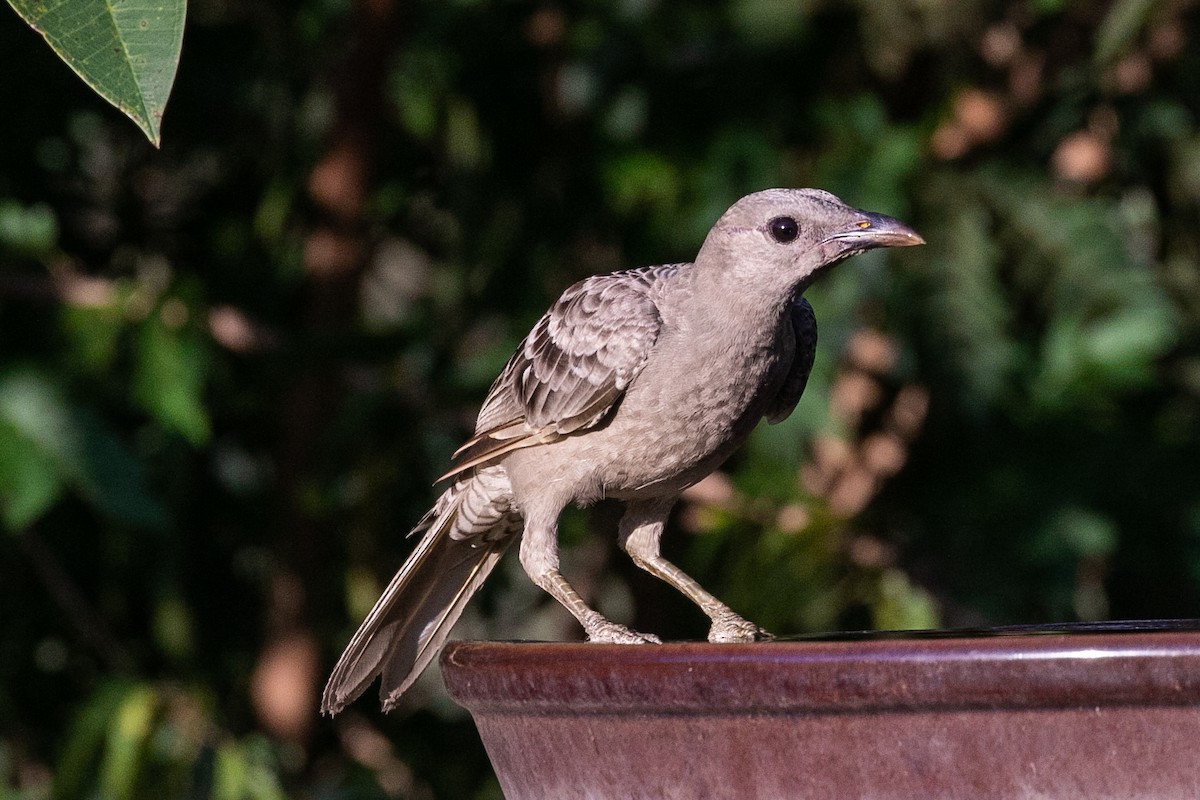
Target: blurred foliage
x,y
230,369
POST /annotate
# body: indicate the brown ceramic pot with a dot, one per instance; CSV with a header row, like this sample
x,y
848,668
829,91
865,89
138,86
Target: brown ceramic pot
x,y
1107,713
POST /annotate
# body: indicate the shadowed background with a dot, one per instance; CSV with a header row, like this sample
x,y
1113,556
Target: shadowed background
x,y
231,369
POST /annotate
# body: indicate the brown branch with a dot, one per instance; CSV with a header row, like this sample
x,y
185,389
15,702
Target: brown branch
x,y
337,251
229,327
89,626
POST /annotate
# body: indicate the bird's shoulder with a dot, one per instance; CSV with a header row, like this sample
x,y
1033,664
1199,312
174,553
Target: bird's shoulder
x,y
573,367
585,349
623,304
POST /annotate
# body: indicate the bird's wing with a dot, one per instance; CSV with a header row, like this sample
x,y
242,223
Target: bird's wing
x,y
804,326
573,367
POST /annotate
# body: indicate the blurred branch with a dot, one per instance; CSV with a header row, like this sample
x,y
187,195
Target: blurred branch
x,y
64,285
336,254
89,626
229,327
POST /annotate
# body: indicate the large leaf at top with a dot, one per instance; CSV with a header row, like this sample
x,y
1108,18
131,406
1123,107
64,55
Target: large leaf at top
x,y
127,50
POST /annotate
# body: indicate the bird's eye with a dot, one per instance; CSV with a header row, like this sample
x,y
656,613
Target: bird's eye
x,y
783,229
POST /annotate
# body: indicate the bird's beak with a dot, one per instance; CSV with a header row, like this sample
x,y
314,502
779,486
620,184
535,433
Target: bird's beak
x,y
869,230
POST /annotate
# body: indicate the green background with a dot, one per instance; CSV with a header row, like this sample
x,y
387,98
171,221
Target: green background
x,y
231,369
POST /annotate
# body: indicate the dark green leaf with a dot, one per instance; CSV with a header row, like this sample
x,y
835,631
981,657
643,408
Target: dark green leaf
x,y
73,444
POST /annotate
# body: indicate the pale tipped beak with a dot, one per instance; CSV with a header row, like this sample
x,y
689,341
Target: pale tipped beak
x,y
876,230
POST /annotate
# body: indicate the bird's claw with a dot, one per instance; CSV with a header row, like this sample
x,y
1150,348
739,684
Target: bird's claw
x,y
729,627
605,632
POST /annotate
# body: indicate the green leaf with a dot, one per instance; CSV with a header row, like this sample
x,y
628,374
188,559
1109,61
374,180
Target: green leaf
x,y
58,441
1125,345
92,335
765,23
902,604
229,773
31,230
966,306
1121,25
128,734
1086,532
126,50
29,482
641,179
169,379
243,771
84,745
173,626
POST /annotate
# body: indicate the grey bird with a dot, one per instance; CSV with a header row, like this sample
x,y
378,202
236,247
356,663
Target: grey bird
x,y
634,385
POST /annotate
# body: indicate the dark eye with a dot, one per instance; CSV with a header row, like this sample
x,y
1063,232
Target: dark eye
x,y
783,229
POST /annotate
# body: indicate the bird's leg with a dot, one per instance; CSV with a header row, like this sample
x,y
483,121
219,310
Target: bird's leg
x,y
539,557
641,534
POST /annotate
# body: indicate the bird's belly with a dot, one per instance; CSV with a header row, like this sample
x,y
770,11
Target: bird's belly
x,y
671,433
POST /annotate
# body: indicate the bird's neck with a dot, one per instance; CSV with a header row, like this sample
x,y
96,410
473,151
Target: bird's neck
x,y
724,319
723,296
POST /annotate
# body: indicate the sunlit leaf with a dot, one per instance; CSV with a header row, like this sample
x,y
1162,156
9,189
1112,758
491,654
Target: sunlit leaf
x,y
29,481
27,229
242,770
169,379
1107,320
1125,344
229,773
126,51
902,604
83,747
128,732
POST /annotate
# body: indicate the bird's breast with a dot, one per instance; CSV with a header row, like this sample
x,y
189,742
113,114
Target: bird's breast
x,y
691,408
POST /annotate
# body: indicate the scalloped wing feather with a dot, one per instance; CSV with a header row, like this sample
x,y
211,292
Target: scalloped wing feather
x,y
573,367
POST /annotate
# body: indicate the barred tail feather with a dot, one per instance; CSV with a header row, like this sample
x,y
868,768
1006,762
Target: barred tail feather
x,y
411,620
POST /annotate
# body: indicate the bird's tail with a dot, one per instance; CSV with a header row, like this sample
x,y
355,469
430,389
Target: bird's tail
x,y
465,534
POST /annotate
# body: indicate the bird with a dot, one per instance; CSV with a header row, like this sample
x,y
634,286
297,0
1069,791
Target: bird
x,y
634,385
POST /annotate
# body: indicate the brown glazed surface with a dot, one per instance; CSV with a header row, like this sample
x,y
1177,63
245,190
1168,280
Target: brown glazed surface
x,y
1107,714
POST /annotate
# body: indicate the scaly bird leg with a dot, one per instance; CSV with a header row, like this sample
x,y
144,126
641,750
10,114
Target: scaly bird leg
x,y
641,535
539,557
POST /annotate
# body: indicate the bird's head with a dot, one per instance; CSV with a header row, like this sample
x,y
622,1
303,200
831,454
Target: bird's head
x,y
783,237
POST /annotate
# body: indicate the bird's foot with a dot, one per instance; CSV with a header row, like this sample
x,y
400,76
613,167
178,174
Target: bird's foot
x,y
607,632
729,627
